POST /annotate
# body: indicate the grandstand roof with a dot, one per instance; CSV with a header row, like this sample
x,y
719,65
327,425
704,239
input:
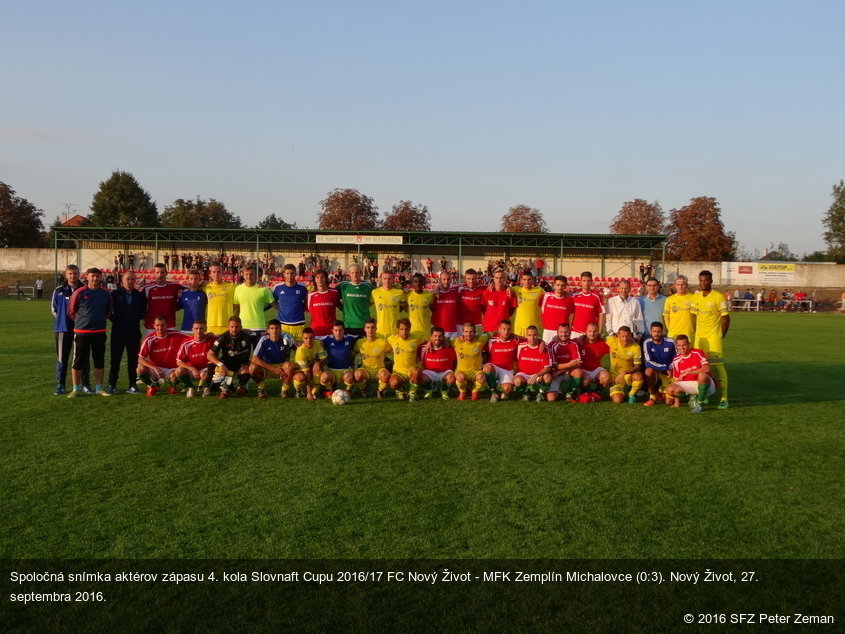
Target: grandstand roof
x,y
541,244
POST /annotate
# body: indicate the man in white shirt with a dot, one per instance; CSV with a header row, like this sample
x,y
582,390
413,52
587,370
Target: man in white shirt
x,y
624,310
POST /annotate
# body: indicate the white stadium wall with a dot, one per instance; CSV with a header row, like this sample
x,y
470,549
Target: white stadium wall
x,y
725,274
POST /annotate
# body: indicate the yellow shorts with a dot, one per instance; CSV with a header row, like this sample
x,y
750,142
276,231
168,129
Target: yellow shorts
x,y
627,381
294,331
338,375
404,373
372,373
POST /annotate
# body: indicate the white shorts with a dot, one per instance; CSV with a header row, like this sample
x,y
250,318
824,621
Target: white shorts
x,y
164,372
549,336
691,387
435,376
556,382
593,375
527,376
503,376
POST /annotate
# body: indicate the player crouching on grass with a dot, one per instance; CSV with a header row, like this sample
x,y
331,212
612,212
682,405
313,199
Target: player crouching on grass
x,y
406,372
469,349
626,361
567,375
691,373
310,357
438,361
534,367
372,348
271,356
339,349
231,354
501,356
157,357
593,350
192,360
658,353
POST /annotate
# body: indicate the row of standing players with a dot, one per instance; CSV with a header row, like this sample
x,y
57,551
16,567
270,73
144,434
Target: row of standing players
x,y
703,317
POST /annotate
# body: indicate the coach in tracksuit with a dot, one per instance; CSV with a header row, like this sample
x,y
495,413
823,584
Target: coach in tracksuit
x,y
90,307
63,327
130,306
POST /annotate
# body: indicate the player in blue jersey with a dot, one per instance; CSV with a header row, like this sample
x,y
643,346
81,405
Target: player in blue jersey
x,y
272,357
340,357
291,303
193,302
658,353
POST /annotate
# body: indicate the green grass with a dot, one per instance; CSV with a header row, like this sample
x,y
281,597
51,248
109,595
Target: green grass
x,y
131,477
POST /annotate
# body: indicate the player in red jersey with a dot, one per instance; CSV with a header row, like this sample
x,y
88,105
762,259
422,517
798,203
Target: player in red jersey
x,y
162,298
691,373
593,350
499,301
556,308
444,309
501,357
470,302
323,304
534,366
192,360
588,307
157,357
567,374
438,361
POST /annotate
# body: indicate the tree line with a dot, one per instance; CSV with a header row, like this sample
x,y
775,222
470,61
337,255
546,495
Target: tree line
x,y
695,231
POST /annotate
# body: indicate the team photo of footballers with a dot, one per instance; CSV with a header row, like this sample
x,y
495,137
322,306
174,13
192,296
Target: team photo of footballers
x,y
459,340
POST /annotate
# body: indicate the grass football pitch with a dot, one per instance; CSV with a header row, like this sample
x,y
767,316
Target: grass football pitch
x,y
134,477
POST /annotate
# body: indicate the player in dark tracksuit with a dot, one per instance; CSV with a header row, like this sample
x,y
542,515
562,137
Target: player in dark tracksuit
x,y
63,326
90,307
129,306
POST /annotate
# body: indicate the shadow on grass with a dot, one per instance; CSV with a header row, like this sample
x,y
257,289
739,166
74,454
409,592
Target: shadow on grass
x,y
767,383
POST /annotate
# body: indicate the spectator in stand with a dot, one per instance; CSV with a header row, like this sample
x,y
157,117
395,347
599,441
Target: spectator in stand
x,y
131,259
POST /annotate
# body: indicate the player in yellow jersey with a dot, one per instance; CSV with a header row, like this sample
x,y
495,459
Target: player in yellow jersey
x,y
309,358
712,321
406,370
678,317
528,309
389,302
372,347
419,303
221,296
469,348
626,365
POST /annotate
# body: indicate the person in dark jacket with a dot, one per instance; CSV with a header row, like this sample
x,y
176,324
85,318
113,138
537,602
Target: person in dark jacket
x,y
90,307
130,306
63,327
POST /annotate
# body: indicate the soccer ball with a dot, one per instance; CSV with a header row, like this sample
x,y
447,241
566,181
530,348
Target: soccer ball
x,y
340,397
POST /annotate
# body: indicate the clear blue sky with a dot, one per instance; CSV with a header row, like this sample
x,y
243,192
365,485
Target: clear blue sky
x,y
467,107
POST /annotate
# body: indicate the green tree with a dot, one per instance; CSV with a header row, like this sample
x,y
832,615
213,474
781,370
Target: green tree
x,y
523,219
406,216
816,256
696,232
781,253
639,217
20,220
200,214
834,222
347,209
274,222
122,202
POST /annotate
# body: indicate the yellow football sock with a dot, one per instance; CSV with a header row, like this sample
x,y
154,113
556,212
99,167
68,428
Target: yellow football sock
x,y
722,378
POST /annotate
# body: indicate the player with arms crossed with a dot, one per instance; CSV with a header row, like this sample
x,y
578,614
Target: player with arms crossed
x,y
469,349
470,302
193,302
626,363
444,309
691,374
192,360
309,358
678,317
162,298
406,371
528,299
231,354
712,321
157,357
372,348
658,352
438,360
565,355
499,301
291,300
501,357
419,303
389,302
221,298
356,297
534,371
